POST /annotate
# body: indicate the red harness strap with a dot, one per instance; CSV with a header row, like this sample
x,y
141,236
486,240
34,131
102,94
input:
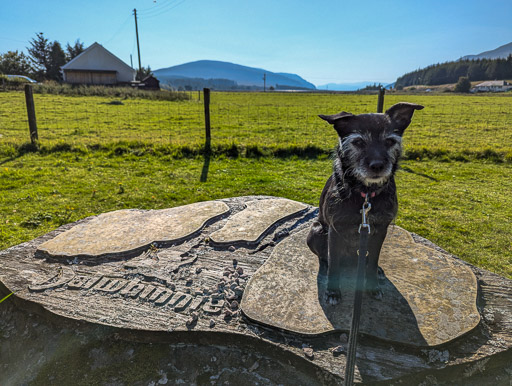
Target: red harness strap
x,y
372,194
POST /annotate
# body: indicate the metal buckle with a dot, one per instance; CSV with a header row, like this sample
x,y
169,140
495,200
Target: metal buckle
x,y
364,214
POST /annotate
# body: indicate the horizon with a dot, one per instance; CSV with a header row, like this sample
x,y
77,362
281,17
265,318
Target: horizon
x,y
288,37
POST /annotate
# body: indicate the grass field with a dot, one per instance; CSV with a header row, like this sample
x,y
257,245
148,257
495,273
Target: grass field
x,y
460,202
458,126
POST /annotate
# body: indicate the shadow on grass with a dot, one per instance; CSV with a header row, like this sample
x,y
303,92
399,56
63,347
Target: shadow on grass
x,y
9,159
234,150
409,170
21,151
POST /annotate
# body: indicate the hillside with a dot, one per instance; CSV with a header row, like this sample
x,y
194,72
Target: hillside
x,y
450,72
490,65
225,75
501,52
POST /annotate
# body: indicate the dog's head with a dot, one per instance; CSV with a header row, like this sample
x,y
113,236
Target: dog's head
x,y
371,144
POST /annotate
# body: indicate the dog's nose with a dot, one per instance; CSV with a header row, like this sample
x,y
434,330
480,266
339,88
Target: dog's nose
x,y
376,166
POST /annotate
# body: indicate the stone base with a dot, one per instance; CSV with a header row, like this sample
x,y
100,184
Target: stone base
x,y
188,287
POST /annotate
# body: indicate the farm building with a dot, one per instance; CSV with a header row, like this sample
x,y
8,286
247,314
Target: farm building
x,y
150,83
97,65
493,86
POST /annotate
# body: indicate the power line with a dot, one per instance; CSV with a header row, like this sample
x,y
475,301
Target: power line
x,y
169,6
119,29
156,9
160,5
14,40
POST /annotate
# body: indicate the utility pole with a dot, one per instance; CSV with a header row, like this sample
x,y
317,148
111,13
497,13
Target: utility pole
x,y
137,34
264,82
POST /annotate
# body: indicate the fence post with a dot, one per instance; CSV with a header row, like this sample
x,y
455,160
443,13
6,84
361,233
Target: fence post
x,y
31,113
206,92
380,101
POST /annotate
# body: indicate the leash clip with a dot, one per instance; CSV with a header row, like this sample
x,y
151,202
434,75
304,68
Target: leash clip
x,y
364,214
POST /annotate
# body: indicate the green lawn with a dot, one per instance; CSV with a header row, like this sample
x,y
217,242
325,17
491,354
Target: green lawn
x,y
459,126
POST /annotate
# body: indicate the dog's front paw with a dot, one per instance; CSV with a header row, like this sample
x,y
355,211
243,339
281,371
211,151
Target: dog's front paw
x,y
332,297
377,293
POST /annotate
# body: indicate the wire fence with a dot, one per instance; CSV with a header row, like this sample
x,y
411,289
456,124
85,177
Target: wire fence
x,y
457,123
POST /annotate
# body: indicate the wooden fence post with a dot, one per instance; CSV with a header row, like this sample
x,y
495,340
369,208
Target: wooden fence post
x,y
206,92
380,102
31,113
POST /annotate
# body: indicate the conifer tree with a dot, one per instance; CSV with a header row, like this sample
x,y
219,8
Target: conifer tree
x,y
15,63
57,58
39,54
72,51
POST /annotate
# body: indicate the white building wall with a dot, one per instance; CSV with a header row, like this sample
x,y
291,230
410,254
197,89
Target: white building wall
x,y
98,58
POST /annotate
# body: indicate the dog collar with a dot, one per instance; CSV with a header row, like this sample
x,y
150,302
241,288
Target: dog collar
x,y
372,194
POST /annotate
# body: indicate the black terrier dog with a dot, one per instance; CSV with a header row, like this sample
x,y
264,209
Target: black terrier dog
x,y
370,146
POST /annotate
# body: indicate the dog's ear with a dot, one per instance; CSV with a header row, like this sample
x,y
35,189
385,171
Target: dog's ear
x,y
332,119
401,114
340,121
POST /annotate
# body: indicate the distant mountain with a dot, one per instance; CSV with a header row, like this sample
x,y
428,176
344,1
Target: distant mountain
x,y
346,86
501,52
224,75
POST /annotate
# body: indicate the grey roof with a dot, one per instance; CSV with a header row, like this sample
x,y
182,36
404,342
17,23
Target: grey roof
x,y
492,83
69,65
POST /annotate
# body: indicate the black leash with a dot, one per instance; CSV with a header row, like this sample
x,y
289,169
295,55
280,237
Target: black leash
x,y
364,232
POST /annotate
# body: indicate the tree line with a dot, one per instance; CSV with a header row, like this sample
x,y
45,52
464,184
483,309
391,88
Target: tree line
x,y
451,72
44,59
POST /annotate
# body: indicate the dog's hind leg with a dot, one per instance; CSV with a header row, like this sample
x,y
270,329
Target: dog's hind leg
x,y
317,241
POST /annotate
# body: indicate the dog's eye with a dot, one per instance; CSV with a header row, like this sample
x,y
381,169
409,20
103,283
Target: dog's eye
x,y
358,142
390,142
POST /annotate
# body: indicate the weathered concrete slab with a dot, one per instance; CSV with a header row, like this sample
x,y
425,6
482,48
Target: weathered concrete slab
x,y
130,230
429,299
260,215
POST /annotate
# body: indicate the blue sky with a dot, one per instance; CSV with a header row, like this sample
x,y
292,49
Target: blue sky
x,y
322,41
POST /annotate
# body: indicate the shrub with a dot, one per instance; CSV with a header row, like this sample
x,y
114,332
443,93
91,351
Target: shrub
x,y
12,83
463,85
117,92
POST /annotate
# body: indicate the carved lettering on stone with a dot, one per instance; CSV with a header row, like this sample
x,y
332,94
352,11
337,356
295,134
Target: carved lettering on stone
x,y
133,284
180,301
91,282
136,290
77,282
162,296
109,285
214,306
63,276
147,292
196,303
